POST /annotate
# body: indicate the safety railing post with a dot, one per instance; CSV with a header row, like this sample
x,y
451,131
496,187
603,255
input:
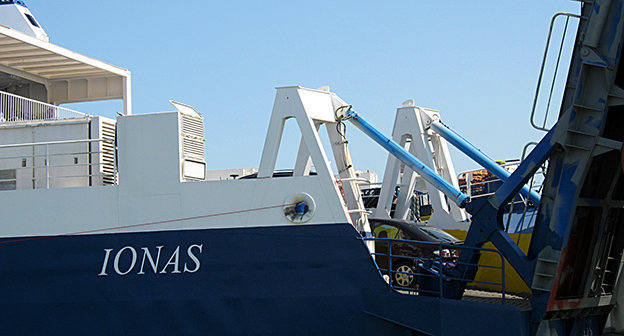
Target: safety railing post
x,y
440,271
114,162
47,166
502,277
390,262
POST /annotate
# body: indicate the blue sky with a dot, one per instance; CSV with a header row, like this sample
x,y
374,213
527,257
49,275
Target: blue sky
x,y
476,62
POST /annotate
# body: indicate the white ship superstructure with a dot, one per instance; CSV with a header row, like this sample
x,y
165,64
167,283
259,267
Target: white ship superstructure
x,y
110,225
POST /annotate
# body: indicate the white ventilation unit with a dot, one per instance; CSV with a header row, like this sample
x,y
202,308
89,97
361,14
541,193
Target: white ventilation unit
x,y
102,163
191,142
106,151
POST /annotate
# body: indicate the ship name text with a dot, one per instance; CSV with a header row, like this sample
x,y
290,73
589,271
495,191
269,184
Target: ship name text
x,y
145,260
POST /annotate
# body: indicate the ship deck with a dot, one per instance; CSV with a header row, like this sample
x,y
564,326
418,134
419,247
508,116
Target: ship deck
x,y
523,303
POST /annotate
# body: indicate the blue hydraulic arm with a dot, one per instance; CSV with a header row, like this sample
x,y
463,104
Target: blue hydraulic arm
x,y
407,158
487,213
475,154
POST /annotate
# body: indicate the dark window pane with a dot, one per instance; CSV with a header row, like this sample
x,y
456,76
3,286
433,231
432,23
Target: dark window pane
x,y
32,20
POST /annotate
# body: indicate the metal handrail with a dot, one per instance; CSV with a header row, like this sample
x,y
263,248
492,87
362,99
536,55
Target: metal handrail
x,y
467,175
17,108
29,144
356,179
57,154
541,73
522,202
441,275
112,161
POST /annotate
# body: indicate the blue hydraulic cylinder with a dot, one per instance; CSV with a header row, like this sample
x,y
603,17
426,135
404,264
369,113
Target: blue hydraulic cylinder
x,y
410,160
482,159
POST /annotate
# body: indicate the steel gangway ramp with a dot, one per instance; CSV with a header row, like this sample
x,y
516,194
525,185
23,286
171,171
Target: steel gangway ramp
x,y
574,262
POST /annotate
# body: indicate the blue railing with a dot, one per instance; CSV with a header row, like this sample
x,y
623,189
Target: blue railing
x,y
429,275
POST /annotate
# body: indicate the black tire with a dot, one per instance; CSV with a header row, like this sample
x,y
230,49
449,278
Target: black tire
x,y
399,276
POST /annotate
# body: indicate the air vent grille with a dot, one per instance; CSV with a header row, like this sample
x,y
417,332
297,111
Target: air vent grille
x,y
108,153
192,137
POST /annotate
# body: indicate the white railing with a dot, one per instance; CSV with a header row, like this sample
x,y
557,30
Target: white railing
x,y
58,164
16,108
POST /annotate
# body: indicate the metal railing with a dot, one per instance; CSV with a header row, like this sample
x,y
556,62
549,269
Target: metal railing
x,y
543,126
49,165
518,204
536,183
16,108
486,187
430,276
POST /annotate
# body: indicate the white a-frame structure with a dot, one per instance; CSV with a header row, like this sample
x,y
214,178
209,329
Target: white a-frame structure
x,y
311,109
411,130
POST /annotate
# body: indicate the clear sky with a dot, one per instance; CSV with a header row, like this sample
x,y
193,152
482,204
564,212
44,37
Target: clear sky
x,y
475,61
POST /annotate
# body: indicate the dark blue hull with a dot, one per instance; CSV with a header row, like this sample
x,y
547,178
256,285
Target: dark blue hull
x,y
316,280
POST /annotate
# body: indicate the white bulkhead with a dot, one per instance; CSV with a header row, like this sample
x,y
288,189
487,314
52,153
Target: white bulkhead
x,y
59,153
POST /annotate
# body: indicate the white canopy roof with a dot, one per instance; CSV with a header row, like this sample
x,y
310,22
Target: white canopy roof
x,y
68,76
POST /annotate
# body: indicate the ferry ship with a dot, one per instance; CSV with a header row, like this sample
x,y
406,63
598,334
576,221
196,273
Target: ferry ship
x,y
110,226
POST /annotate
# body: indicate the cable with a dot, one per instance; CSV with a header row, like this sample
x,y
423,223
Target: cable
x,y
143,224
341,128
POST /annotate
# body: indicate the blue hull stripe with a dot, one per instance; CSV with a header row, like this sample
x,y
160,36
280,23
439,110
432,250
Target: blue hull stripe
x,y
312,279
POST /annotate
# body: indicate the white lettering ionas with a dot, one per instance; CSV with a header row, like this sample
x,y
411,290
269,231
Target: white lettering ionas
x,y
125,260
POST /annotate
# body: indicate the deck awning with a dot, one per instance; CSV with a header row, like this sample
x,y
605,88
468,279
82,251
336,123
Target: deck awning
x,y
68,76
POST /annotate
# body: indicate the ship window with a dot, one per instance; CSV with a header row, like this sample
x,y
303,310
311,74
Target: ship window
x,y
32,20
7,179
